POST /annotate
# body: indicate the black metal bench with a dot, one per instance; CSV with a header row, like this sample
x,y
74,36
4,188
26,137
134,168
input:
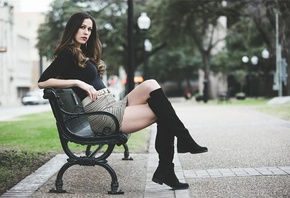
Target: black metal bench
x,y
224,97
72,125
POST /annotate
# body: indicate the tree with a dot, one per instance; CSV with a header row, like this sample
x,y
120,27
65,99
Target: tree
x,y
254,28
182,33
264,17
110,17
241,78
191,23
250,29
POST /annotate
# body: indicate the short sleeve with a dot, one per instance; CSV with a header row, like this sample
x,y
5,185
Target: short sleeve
x,y
59,66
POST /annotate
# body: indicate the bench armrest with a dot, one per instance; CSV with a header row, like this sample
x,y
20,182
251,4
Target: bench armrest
x,y
71,115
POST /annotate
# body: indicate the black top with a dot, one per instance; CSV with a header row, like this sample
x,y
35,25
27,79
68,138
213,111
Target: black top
x,y
65,67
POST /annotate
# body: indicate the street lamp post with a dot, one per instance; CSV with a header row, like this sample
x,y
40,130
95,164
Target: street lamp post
x,y
245,60
144,24
265,55
148,48
254,62
130,76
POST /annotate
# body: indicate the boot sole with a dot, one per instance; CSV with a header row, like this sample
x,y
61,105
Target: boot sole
x,y
174,188
192,152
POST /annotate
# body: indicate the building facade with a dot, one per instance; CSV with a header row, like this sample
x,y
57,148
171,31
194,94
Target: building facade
x,y
19,60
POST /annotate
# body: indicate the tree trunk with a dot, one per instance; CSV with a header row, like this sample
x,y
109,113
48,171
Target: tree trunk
x,y
206,65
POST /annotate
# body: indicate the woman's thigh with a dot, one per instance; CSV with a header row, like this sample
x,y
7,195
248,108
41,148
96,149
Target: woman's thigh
x,y
141,93
137,117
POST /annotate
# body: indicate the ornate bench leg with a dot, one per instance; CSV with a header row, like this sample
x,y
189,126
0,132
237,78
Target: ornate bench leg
x,y
114,183
59,182
114,188
126,153
58,187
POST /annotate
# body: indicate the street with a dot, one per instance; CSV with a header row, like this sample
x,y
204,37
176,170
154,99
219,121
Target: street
x,y
9,112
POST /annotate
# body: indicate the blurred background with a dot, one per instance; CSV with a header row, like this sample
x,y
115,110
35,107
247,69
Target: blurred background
x,y
194,49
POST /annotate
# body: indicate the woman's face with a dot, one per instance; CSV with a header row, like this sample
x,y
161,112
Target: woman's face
x,y
84,32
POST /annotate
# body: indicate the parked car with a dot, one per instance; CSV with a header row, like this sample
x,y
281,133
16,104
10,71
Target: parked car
x,y
33,98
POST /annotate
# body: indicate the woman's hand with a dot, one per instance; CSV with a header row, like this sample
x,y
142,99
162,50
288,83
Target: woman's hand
x,y
91,91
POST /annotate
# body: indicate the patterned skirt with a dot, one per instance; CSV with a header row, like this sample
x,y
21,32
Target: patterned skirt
x,y
103,124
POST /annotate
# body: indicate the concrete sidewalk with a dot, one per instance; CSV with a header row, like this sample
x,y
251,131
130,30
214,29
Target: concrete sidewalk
x,y
248,157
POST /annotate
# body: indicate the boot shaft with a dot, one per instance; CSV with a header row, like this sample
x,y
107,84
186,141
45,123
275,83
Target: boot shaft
x,y
169,122
164,145
164,111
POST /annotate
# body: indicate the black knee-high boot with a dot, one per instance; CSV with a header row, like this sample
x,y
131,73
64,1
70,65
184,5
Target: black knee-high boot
x,y
167,117
164,145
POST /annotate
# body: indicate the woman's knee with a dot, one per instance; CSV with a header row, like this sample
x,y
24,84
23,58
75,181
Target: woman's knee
x,y
151,84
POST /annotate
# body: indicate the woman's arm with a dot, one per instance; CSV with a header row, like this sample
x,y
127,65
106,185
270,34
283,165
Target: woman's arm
x,y
60,83
63,63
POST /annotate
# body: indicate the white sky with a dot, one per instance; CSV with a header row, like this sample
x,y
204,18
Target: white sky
x,y
34,5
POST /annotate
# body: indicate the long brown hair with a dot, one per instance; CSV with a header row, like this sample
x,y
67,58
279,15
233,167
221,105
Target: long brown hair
x,y
91,50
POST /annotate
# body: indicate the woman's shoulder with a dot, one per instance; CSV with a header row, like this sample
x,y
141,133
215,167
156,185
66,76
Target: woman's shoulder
x,y
64,55
65,52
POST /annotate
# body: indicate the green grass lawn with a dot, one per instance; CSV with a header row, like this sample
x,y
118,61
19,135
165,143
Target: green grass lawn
x,y
279,110
260,104
33,133
245,102
38,133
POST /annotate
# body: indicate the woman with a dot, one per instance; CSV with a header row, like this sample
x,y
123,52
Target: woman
x,y
78,65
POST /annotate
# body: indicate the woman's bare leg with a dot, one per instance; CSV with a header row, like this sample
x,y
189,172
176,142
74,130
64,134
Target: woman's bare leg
x,y
138,114
140,94
137,117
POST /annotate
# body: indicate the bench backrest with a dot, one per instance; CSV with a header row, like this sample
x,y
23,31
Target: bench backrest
x,y
65,104
71,103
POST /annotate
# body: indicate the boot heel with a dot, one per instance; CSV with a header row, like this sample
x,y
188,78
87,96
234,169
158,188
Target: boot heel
x,y
157,181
